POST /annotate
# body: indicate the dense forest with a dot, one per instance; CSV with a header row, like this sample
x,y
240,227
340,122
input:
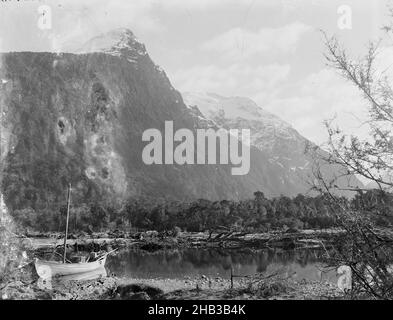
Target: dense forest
x,y
254,215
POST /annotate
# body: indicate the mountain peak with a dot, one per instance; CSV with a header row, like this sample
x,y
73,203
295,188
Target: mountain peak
x,y
240,112
210,104
117,42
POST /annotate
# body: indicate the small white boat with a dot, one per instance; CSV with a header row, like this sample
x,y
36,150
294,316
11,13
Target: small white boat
x,y
48,269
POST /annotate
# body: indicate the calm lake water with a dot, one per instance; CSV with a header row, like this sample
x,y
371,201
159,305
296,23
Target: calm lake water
x,y
178,264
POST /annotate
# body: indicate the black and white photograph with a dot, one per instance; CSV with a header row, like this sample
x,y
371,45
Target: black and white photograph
x,y
201,150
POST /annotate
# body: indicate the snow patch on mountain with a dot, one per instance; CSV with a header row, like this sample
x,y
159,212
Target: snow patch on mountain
x,y
215,106
115,42
243,113
119,43
233,107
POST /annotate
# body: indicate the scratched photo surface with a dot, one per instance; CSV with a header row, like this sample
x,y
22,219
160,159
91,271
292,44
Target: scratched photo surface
x,y
195,150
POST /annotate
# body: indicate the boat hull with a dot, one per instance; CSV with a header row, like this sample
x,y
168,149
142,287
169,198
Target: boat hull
x,y
48,269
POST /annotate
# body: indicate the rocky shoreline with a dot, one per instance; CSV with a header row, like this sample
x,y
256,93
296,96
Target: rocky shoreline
x,y
111,288
25,285
153,240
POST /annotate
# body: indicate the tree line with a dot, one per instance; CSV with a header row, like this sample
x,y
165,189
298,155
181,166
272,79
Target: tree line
x,y
258,214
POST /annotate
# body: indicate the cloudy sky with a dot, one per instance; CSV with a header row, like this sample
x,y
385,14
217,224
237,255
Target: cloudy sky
x,y
267,50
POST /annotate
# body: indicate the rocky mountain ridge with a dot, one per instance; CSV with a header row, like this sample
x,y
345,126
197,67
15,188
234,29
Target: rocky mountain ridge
x,y
79,118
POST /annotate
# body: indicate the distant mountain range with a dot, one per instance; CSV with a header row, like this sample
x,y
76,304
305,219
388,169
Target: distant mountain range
x,y
79,118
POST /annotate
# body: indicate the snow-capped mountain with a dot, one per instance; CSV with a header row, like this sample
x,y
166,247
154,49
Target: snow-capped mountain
x,y
79,118
277,140
266,127
118,42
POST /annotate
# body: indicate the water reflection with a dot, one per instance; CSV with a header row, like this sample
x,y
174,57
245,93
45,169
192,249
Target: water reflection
x,y
302,264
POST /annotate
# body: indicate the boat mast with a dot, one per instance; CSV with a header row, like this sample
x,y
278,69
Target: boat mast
x,y
68,216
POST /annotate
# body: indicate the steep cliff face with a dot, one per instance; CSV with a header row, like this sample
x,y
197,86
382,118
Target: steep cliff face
x,y
79,118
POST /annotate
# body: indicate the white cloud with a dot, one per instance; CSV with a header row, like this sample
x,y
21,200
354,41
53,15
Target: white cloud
x,y
78,22
192,4
237,79
325,95
322,96
240,43
208,4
